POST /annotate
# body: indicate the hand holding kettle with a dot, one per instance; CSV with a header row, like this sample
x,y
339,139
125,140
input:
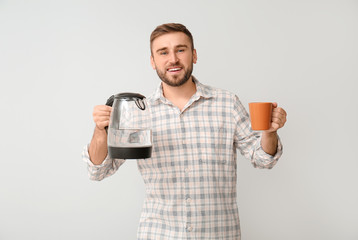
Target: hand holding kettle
x,y
101,115
98,147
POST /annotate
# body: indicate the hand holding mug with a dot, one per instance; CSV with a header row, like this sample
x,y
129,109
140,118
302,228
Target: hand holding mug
x,y
267,116
278,118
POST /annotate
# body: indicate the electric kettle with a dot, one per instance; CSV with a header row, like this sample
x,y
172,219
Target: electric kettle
x,y
129,131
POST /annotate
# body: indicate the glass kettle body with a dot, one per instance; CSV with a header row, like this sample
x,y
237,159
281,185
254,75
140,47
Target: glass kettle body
x,y
129,130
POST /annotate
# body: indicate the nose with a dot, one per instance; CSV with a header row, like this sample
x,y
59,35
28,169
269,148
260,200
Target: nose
x,y
173,58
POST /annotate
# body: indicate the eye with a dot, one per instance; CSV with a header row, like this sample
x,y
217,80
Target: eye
x,y
181,50
163,53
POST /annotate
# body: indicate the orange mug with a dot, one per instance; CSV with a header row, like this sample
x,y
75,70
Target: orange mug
x,y
260,115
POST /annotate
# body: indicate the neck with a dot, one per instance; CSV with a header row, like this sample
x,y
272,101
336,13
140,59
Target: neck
x,y
180,95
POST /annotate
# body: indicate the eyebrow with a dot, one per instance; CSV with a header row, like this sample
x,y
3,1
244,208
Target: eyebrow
x,y
177,46
161,49
181,45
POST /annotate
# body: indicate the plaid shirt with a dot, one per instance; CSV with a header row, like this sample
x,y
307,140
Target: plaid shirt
x,y
191,178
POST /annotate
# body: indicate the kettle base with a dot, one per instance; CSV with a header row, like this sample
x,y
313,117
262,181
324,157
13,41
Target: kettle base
x,y
130,152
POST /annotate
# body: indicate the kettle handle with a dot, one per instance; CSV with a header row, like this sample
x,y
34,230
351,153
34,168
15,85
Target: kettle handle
x,y
140,104
109,102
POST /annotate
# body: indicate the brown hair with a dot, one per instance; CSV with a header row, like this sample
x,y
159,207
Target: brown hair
x,y
170,28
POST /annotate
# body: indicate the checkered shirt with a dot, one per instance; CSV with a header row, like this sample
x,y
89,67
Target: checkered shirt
x,y
190,180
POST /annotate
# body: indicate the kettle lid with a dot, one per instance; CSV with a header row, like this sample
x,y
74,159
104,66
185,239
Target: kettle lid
x,y
129,95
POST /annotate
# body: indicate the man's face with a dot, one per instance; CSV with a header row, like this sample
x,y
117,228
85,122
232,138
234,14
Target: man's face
x,y
173,58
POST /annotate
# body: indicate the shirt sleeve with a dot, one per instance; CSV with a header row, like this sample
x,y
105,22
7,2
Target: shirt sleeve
x,y
248,142
98,172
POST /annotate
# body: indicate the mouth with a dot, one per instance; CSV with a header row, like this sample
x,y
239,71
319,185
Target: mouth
x,y
174,69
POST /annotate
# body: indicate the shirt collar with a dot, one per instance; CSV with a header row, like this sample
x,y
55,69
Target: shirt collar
x,y
201,91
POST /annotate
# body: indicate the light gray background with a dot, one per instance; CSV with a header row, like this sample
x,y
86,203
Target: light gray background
x,y
60,58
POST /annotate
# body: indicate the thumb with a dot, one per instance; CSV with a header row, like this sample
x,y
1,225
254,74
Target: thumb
x,y
274,105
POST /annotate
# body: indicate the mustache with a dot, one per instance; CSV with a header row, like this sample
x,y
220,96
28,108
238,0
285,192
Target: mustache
x,y
174,66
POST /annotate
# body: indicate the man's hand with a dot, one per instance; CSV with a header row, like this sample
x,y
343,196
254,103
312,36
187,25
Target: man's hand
x,y
278,118
269,139
98,146
101,115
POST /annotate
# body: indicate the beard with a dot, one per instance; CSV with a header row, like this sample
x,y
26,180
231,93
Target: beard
x,y
176,81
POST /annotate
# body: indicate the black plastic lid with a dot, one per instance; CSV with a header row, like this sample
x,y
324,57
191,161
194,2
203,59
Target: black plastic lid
x,y
129,95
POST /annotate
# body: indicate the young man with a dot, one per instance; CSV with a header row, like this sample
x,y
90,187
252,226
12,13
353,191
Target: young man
x,y
191,178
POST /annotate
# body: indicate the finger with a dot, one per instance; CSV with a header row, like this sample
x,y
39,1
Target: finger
x,y
103,123
279,122
101,114
275,126
279,116
280,110
276,120
279,113
104,108
100,110
100,119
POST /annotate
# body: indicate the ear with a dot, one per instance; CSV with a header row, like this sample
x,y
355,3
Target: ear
x,y
195,56
152,62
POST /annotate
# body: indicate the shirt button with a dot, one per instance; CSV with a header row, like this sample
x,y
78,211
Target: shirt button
x,y
189,228
187,170
184,142
188,200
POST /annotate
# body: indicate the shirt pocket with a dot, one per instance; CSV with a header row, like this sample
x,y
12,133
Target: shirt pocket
x,y
215,151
